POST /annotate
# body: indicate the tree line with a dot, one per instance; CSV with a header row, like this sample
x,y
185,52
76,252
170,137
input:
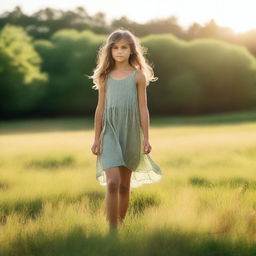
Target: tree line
x,y
47,77
42,24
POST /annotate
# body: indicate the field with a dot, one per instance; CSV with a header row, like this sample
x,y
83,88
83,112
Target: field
x,y
205,204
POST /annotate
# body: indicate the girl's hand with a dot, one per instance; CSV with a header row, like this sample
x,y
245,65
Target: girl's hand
x,y
96,147
146,147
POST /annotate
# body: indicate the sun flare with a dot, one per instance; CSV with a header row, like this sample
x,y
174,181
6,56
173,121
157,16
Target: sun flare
x,y
236,14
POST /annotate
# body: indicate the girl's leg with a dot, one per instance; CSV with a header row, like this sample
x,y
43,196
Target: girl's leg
x,y
124,192
113,181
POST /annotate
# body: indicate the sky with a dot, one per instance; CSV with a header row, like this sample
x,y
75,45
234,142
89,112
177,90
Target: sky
x,y
236,14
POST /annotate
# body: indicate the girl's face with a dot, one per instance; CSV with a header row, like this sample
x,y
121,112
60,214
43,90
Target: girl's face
x,y
121,50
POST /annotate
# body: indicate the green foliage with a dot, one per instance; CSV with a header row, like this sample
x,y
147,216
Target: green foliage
x,y
203,75
200,76
20,76
68,57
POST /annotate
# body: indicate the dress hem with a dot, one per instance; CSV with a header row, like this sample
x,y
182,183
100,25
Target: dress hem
x,y
134,183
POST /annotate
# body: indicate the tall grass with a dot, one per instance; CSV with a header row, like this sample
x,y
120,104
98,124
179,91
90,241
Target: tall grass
x,y
51,203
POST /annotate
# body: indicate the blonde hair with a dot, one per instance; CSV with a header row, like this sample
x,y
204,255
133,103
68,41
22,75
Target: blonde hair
x,y
105,61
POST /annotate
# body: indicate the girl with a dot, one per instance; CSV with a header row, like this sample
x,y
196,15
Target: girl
x,y
121,140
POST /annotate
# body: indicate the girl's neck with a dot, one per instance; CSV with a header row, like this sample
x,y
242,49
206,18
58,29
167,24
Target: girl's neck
x,y
122,66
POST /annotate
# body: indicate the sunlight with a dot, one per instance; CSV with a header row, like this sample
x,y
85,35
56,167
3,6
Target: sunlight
x,y
236,14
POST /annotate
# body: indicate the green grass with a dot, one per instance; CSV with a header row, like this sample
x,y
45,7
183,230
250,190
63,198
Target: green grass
x,y
205,204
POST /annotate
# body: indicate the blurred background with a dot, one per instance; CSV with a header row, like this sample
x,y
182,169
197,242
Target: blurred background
x,y
203,130
203,53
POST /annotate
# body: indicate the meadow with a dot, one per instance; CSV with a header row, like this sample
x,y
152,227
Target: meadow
x,y
205,203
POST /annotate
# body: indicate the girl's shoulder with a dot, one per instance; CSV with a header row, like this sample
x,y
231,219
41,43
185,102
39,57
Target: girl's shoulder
x,y
139,76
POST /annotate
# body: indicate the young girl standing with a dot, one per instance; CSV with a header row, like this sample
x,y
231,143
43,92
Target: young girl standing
x,y
122,122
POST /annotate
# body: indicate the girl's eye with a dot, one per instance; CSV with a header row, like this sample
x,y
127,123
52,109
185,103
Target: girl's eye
x,y
123,47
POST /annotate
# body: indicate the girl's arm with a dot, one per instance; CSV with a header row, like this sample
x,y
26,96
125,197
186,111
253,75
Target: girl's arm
x,y
142,99
99,113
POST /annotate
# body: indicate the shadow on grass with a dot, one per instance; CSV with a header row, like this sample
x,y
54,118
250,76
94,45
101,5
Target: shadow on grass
x,y
160,242
228,182
35,125
226,118
83,124
4,186
51,162
31,209
140,202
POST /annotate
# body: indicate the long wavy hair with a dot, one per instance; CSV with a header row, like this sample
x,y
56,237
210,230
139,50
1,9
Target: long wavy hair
x,y
106,63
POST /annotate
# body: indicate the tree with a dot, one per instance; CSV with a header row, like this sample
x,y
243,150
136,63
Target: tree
x,y
20,75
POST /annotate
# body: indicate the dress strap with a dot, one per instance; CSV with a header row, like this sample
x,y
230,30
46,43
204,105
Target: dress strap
x,y
134,72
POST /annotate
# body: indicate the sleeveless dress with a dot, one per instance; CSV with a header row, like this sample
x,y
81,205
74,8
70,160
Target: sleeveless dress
x,y
121,136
